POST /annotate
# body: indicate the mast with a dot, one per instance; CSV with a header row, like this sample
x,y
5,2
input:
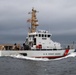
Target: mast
x,y
33,21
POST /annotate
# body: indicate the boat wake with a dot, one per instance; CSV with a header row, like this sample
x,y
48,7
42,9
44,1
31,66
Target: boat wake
x,y
29,58
42,59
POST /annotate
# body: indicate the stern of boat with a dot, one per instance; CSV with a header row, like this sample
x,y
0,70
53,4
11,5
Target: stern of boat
x,y
71,51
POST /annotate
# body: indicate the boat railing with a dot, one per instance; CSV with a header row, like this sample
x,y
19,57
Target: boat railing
x,y
70,46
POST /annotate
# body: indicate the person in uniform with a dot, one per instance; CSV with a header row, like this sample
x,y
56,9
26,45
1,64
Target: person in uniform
x,y
15,47
3,48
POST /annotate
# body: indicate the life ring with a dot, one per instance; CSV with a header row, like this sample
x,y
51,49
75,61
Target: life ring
x,y
39,46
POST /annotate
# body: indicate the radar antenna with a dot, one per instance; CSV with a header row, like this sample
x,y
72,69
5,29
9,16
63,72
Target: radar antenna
x,y
33,21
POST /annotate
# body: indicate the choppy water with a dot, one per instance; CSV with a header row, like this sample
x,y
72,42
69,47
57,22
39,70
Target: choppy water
x,y
19,65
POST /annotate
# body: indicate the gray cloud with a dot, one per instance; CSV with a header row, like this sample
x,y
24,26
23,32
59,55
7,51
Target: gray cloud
x,y
56,15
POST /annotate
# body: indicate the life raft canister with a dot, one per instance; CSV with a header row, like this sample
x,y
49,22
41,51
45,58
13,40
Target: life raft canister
x,y
39,46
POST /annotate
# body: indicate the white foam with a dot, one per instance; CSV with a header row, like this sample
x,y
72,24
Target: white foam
x,y
43,59
29,58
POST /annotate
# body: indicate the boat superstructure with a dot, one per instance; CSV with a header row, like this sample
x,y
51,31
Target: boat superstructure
x,y
40,44
40,38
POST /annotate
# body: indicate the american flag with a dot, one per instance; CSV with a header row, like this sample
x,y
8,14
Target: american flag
x,y
29,20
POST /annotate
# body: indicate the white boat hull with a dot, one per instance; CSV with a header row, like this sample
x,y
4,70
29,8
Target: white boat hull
x,y
37,54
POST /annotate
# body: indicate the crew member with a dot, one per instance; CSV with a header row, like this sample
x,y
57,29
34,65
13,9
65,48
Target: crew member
x,y
15,47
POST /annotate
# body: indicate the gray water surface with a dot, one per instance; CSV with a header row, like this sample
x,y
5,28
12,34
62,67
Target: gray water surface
x,y
14,66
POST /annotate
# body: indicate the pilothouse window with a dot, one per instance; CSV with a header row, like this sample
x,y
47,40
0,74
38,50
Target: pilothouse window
x,y
48,35
42,35
45,35
39,35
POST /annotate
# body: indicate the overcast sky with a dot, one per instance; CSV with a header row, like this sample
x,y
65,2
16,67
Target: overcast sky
x,y
57,16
